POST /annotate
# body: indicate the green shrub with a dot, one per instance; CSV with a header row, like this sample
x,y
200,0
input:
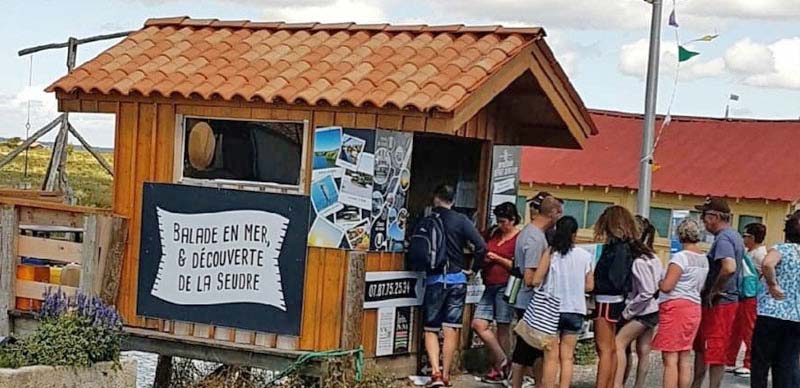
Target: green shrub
x,y
74,332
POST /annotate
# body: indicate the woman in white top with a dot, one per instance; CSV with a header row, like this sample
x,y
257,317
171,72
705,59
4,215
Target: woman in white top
x,y
680,309
567,271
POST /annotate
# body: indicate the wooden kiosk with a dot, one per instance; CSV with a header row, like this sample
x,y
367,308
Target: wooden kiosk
x,y
451,92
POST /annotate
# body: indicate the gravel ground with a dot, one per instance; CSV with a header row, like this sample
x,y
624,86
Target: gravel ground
x,y
585,375
583,378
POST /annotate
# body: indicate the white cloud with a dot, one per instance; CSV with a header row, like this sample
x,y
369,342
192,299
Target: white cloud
x,y
633,62
97,128
747,57
744,9
360,11
776,65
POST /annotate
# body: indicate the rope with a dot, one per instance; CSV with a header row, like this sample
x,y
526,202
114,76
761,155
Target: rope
x,y
310,356
28,122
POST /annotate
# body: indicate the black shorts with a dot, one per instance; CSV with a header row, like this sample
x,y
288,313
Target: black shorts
x,y
649,320
611,312
524,354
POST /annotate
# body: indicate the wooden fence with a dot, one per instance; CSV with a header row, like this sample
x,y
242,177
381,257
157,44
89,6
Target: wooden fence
x,y
49,246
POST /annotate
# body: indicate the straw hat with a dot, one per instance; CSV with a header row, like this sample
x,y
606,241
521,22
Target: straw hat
x,y
201,145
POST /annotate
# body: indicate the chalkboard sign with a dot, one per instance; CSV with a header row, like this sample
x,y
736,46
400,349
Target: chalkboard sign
x,y
223,257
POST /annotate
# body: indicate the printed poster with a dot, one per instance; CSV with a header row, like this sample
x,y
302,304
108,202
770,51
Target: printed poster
x,y
359,188
391,181
395,328
341,188
384,344
505,177
403,325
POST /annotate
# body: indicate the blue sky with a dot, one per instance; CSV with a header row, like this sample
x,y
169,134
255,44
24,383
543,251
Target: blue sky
x,y
601,44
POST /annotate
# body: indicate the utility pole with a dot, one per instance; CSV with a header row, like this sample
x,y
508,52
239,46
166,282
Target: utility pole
x,y
651,94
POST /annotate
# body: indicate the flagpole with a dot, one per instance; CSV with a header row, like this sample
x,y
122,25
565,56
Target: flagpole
x,y
646,164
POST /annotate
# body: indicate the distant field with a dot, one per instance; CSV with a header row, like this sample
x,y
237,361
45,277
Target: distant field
x,y
89,181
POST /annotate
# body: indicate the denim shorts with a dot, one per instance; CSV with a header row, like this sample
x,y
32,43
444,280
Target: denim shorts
x,y
570,323
493,307
444,306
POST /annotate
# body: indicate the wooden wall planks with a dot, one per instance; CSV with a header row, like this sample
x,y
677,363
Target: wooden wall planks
x,y
145,152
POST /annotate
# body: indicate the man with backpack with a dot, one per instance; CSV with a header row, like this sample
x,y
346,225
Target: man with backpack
x,y
437,247
745,320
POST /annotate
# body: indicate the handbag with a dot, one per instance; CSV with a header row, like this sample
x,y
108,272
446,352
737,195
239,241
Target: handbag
x,y
539,324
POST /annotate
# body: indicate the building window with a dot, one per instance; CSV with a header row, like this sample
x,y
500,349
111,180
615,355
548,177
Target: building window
x,y
745,220
242,153
522,207
660,218
576,209
593,212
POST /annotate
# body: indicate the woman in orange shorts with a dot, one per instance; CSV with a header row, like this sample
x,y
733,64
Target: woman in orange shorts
x,y
679,309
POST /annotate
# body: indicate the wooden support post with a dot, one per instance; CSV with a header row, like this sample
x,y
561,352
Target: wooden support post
x,y
55,175
90,254
112,270
9,230
163,377
354,300
104,240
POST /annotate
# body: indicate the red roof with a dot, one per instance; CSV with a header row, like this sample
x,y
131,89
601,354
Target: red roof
x,y
738,158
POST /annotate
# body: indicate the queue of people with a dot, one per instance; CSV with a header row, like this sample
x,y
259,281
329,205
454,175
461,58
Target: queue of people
x,y
537,282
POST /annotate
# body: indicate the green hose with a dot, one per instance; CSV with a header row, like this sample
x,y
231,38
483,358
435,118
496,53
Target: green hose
x,y
306,357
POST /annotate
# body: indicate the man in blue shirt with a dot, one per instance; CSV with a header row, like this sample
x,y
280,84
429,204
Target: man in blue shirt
x,y
445,293
720,294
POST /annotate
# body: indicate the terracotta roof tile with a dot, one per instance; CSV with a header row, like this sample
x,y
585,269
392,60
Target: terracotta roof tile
x,y
405,66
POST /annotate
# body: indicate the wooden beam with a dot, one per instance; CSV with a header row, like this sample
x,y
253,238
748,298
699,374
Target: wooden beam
x,y
112,270
53,175
36,135
493,86
551,84
211,350
91,150
46,248
9,230
90,258
354,300
35,290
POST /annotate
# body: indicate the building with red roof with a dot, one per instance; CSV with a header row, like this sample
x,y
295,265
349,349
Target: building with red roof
x,y
750,162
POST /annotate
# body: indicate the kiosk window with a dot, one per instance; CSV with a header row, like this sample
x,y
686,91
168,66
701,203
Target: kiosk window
x,y
255,152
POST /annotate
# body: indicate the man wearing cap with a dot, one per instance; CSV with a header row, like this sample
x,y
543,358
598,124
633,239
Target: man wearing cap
x,y
720,294
531,244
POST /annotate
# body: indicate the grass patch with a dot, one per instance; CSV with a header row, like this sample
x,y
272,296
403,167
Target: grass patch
x,y
91,184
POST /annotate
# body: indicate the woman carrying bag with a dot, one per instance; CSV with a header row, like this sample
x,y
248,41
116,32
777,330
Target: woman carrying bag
x,y
567,274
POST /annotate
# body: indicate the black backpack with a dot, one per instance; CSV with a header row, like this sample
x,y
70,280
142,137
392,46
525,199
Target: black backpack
x,y
426,249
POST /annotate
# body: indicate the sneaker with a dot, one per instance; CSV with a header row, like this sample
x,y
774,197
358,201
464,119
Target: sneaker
x,y
730,369
494,377
528,382
436,380
742,372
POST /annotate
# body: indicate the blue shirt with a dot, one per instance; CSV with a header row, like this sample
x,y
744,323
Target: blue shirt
x,y
787,274
451,278
727,244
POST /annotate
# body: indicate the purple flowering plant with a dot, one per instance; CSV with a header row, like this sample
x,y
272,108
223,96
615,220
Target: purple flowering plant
x,y
73,331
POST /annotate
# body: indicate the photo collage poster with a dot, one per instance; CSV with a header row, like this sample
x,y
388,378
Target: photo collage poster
x,y
341,188
359,184
392,179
